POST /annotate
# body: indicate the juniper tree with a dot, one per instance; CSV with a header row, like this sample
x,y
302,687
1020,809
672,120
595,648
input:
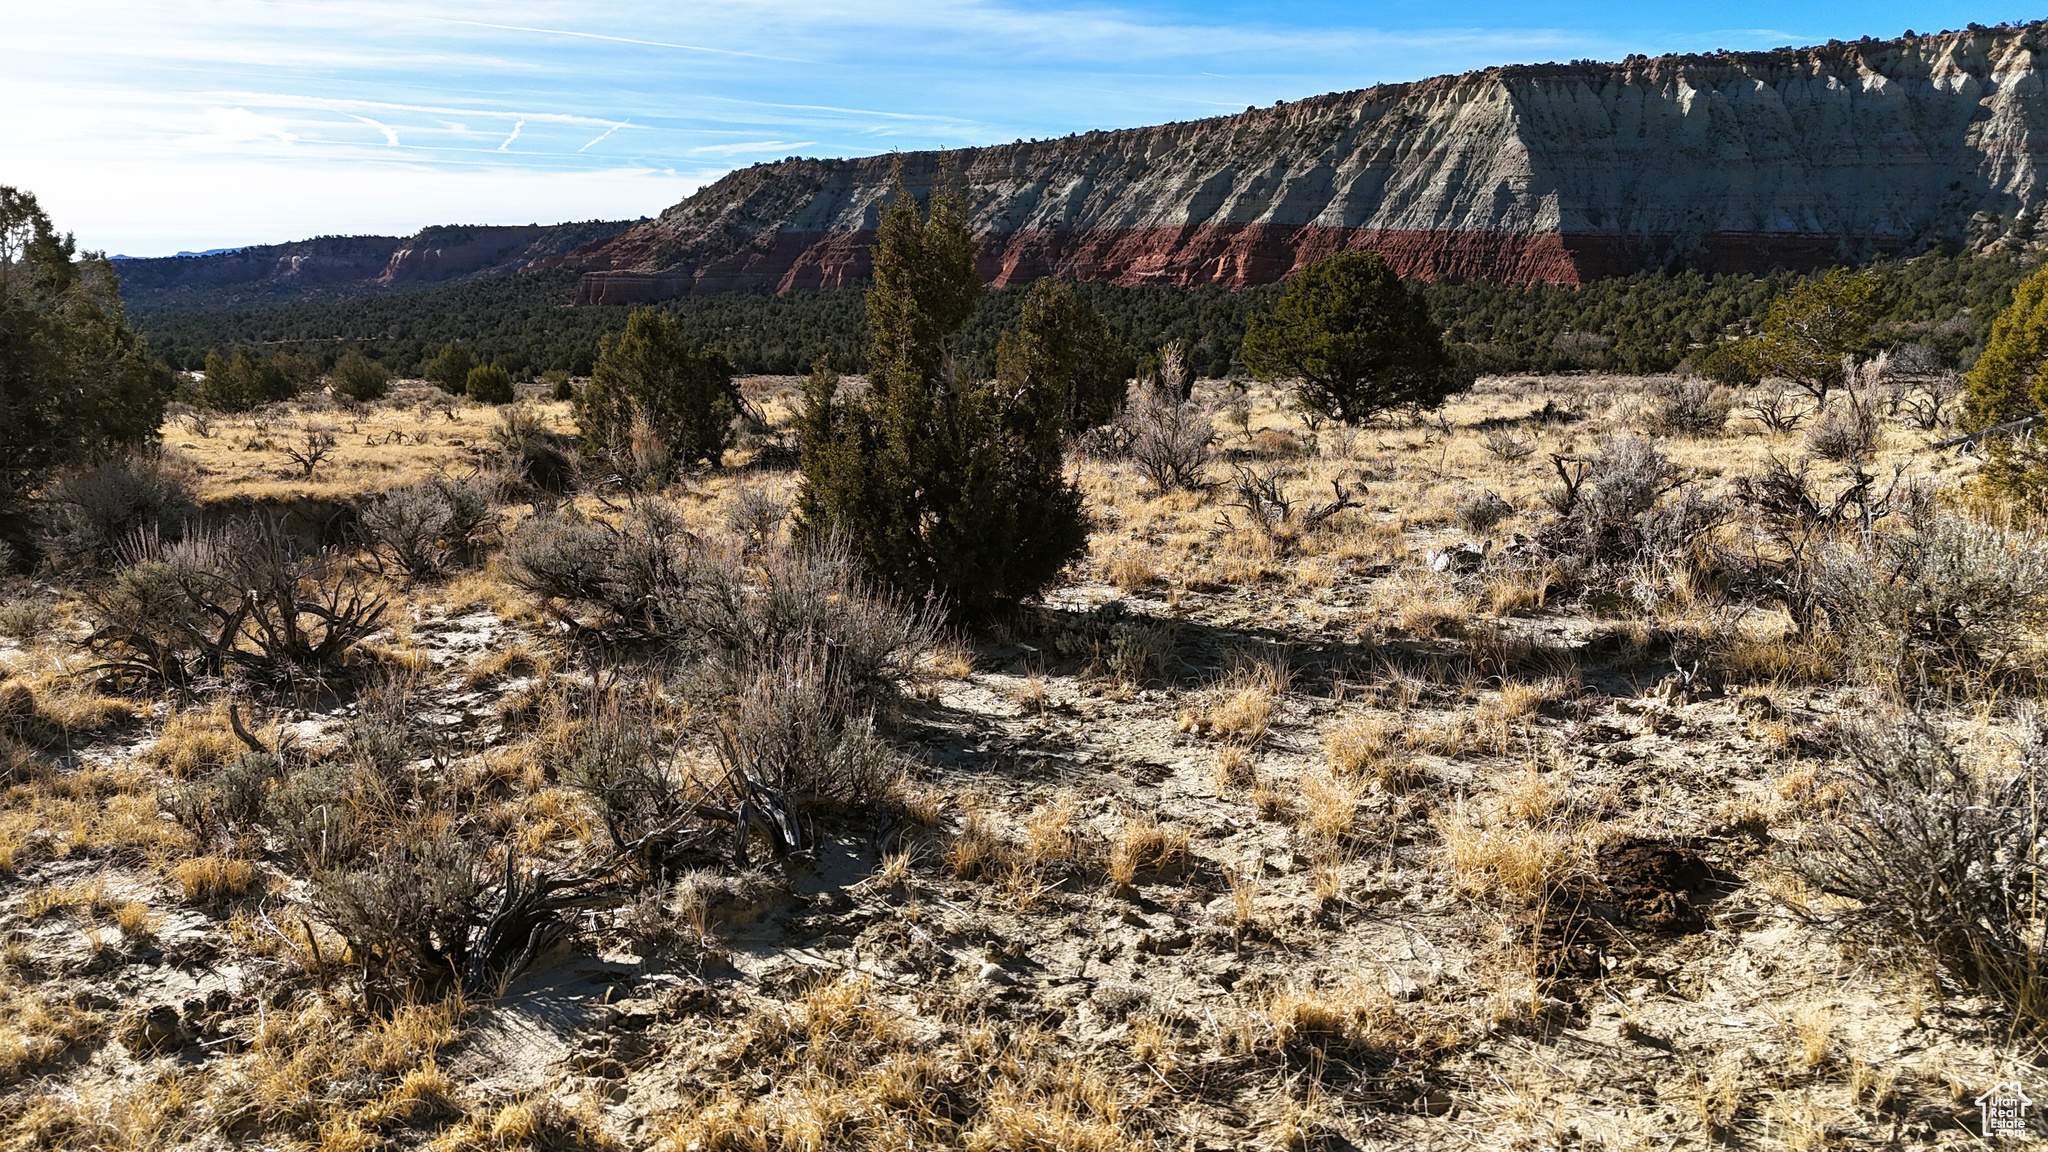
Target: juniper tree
x,y
77,385
1356,340
451,366
357,377
2005,383
937,485
488,384
1811,329
241,380
1063,348
646,374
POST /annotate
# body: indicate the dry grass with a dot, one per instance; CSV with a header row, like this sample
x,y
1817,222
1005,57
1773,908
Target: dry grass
x,y
67,709
1243,704
1494,852
214,879
976,849
1131,568
1330,804
192,744
1145,846
1053,836
1444,775
37,1026
91,812
847,1070
515,660
540,1123
1358,746
1359,1019
952,661
88,898
416,433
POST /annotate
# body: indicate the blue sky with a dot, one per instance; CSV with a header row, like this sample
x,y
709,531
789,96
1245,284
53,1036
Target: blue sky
x,y
147,128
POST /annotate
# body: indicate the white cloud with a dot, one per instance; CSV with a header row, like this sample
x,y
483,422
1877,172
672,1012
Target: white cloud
x,y
390,133
237,121
220,203
754,147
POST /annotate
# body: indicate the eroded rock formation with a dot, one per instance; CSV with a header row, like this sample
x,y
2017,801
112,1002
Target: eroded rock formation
x,y
352,265
1560,173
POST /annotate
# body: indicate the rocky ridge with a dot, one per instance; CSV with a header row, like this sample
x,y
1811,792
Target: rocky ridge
x,y
1559,173
341,266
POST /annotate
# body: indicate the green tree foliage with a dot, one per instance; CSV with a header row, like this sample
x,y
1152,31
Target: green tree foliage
x,y
450,368
1810,329
1647,322
357,377
1063,348
488,384
76,385
938,485
685,397
240,380
1357,339
2005,382
1731,364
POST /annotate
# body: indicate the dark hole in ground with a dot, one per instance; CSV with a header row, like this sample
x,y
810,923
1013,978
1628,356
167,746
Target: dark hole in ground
x,y
1656,884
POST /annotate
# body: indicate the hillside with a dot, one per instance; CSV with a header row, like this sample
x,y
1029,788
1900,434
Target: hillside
x,y
1539,173
342,267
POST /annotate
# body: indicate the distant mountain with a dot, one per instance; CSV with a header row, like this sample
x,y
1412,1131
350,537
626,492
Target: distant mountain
x,y
340,267
1559,173
208,252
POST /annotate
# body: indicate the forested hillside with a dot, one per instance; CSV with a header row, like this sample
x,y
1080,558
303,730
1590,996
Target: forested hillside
x,y
1649,322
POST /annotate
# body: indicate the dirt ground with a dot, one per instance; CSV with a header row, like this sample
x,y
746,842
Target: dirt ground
x,y
1328,838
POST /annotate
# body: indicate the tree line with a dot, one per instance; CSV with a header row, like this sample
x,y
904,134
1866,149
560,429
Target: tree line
x,y
1649,322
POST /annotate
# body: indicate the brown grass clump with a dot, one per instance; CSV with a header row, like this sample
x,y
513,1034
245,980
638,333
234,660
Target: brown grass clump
x,y
1362,1022
517,659
1786,659
539,1123
1520,590
192,744
87,897
214,879
1358,746
89,811
951,662
845,1070
1330,803
17,702
38,1026
976,849
279,1082
1144,845
1053,837
64,711
1131,568
1244,704
1520,860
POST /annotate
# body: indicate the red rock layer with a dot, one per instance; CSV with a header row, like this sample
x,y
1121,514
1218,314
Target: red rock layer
x,y
1558,173
1237,256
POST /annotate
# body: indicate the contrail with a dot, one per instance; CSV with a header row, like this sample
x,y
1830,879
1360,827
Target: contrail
x,y
515,135
390,133
607,132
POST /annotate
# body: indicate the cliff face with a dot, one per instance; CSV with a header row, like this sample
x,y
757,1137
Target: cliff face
x,y
1558,173
333,266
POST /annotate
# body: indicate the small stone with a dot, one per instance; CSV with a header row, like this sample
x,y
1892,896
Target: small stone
x,y
1459,558
158,1030
17,700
